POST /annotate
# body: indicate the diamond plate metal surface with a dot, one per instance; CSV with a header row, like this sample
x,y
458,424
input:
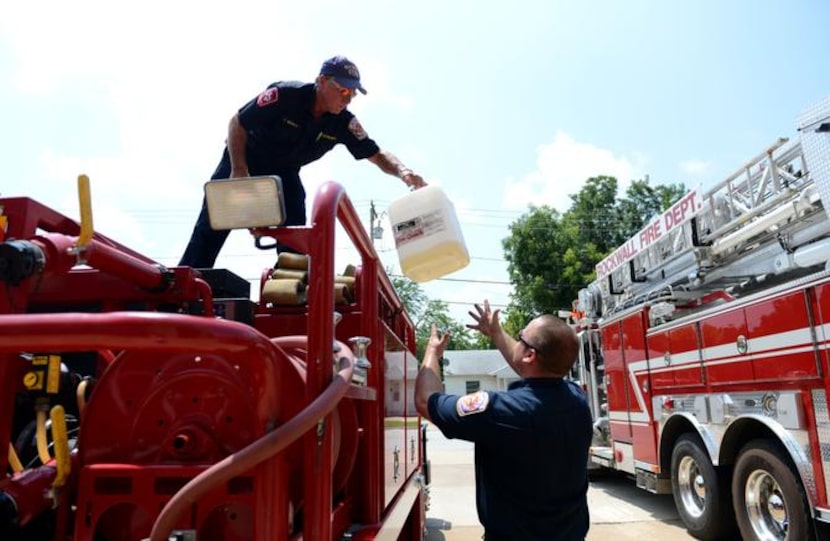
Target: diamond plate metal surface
x,y
823,431
816,146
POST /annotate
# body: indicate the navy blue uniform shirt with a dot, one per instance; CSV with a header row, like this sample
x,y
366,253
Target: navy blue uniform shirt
x,y
531,456
282,133
283,136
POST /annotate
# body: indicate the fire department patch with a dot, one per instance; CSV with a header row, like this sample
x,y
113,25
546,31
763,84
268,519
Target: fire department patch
x,y
472,403
356,129
268,97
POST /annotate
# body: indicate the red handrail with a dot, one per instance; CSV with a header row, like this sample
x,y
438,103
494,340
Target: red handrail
x,y
317,240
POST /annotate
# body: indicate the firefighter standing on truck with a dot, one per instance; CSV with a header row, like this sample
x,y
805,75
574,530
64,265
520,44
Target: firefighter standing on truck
x,y
287,126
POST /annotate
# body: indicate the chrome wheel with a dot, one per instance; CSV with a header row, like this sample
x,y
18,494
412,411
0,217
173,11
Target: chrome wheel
x,y
765,506
701,497
769,498
691,487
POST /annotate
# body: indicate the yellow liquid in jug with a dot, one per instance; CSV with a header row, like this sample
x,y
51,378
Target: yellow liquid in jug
x,y
441,259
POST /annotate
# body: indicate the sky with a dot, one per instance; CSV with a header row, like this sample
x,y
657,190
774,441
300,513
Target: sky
x,y
503,105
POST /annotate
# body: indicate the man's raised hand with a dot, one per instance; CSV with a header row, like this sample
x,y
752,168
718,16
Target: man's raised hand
x,y
486,320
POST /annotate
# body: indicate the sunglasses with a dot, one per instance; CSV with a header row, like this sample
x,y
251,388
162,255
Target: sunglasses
x,y
345,92
521,339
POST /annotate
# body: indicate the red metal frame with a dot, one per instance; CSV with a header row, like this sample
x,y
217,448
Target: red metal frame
x,y
317,240
140,346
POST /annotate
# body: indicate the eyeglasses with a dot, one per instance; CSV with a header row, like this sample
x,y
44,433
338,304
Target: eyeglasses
x,y
521,339
345,92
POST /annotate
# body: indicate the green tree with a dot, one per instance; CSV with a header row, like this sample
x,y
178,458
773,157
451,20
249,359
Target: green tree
x,y
412,296
424,312
481,341
438,312
533,252
551,256
641,204
593,213
514,319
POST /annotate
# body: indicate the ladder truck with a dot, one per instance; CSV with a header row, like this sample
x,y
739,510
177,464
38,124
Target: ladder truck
x,y
705,347
140,402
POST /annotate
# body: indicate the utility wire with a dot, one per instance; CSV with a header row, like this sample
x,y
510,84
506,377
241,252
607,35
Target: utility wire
x,y
464,281
459,280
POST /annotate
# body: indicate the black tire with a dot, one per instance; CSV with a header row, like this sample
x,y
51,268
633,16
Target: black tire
x,y
700,495
769,499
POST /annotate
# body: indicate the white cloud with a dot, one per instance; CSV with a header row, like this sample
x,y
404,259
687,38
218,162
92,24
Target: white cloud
x,y
161,80
695,167
562,167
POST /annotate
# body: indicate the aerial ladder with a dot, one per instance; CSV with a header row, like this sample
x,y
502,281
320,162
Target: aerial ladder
x,y
764,222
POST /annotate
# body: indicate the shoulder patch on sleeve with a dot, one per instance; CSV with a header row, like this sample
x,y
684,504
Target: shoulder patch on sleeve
x,y
356,129
268,97
472,403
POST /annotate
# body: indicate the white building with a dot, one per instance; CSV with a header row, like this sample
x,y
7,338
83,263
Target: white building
x,y
476,370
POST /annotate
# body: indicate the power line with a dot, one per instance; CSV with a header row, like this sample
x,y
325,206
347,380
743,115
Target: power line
x,y
190,212
497,259
266,252
463,280
460,280
496,305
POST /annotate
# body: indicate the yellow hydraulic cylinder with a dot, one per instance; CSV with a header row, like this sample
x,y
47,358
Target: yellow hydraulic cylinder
x,y
85,202
61,441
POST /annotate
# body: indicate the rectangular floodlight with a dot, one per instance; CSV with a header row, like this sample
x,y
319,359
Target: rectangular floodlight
x,y
242,203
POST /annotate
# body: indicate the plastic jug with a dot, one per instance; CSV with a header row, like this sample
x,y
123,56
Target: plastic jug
x,y
427,235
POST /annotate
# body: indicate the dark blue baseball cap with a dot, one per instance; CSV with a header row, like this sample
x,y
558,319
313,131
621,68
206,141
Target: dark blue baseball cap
x,y
342,70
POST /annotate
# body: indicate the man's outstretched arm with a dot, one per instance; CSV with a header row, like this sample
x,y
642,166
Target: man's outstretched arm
x,y
391,165
428,381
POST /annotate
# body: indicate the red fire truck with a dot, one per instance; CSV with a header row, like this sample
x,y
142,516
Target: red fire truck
x,y
141,402
705,347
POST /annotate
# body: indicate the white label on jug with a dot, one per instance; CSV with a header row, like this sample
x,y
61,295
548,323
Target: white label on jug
x,y
417,227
